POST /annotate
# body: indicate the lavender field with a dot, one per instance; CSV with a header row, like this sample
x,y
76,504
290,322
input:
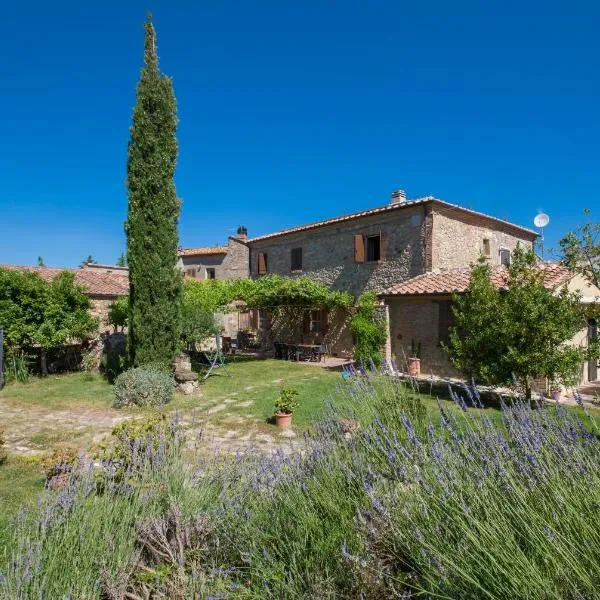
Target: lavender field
x,y
384,502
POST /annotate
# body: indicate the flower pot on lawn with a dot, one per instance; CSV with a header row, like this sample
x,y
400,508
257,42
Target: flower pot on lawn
x,y
414,366
284,407
283,420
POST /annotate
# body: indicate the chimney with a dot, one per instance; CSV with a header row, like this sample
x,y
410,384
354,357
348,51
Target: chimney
x,y
398,197
242,232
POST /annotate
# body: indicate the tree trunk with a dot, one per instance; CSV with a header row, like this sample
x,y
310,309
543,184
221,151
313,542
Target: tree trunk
x,y
43,362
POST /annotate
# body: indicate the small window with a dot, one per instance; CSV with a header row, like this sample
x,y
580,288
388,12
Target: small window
x,y
487,250
190,272
373,248
504,257
296,259
262,263
314,321
210,274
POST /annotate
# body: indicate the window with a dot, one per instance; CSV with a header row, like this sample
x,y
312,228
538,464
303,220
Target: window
x,y
296,259
487,251
504,257
210,274
373,248
314,321
262,263
190,272
446,320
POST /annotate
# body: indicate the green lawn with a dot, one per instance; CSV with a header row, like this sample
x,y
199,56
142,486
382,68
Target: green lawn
x,y
62,391
20,481
255,384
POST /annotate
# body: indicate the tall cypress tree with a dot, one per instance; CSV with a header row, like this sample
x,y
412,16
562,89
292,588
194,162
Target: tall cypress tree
x,y
154,282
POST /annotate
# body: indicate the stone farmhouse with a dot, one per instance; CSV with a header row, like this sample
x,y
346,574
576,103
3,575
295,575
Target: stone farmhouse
x,y
413,253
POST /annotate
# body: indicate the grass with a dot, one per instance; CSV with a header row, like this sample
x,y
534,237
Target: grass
x,y
69,390
257,383
21,479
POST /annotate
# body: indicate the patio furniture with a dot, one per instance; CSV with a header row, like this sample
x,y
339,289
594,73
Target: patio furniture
x,y
298,352
216,359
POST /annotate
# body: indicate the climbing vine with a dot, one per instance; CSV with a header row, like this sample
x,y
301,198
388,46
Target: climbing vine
x,y
280,294
368,330
268,293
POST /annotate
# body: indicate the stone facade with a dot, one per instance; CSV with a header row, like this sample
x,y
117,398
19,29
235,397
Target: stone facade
x,y
418,319
457,238
328,252
231,262
99,310
416,237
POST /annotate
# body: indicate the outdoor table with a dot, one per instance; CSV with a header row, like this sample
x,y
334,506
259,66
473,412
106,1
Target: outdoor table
x,y
297,352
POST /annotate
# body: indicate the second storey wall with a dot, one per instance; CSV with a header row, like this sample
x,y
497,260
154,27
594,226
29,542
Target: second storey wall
x,y
458,239
328,252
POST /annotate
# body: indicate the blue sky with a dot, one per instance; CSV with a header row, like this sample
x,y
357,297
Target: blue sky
x,y
295,111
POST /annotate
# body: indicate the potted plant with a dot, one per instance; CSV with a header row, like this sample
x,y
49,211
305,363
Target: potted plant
x,y
414,360
284,407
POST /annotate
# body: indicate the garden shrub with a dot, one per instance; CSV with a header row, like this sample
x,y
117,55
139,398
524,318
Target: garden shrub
x,y
368,330
143,386
113,363
16,366
138,444
60,461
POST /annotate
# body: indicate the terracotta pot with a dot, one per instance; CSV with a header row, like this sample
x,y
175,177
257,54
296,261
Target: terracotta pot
x,y
414,367
283,420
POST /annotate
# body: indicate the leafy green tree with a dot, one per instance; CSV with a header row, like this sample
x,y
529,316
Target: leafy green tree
x,y
41,262
151,227
512,335
581,251
122,260
197,324
118,313
35,313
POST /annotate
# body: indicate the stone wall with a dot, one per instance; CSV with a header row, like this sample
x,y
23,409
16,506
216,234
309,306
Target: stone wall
x,y
418,319
100,306
328,252
232,265
457,238
201,263
236,264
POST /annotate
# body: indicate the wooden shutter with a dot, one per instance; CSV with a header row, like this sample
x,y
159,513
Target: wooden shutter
x,y
359,248
262,263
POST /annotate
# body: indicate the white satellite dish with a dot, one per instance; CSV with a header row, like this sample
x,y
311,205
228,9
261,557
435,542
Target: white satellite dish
x,y
541,220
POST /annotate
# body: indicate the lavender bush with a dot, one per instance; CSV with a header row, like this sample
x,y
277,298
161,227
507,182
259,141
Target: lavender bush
x,y
384,502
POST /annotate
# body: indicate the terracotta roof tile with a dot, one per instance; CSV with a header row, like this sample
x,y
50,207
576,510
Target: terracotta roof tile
x,y
389,208
457,280
202,251
96,283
